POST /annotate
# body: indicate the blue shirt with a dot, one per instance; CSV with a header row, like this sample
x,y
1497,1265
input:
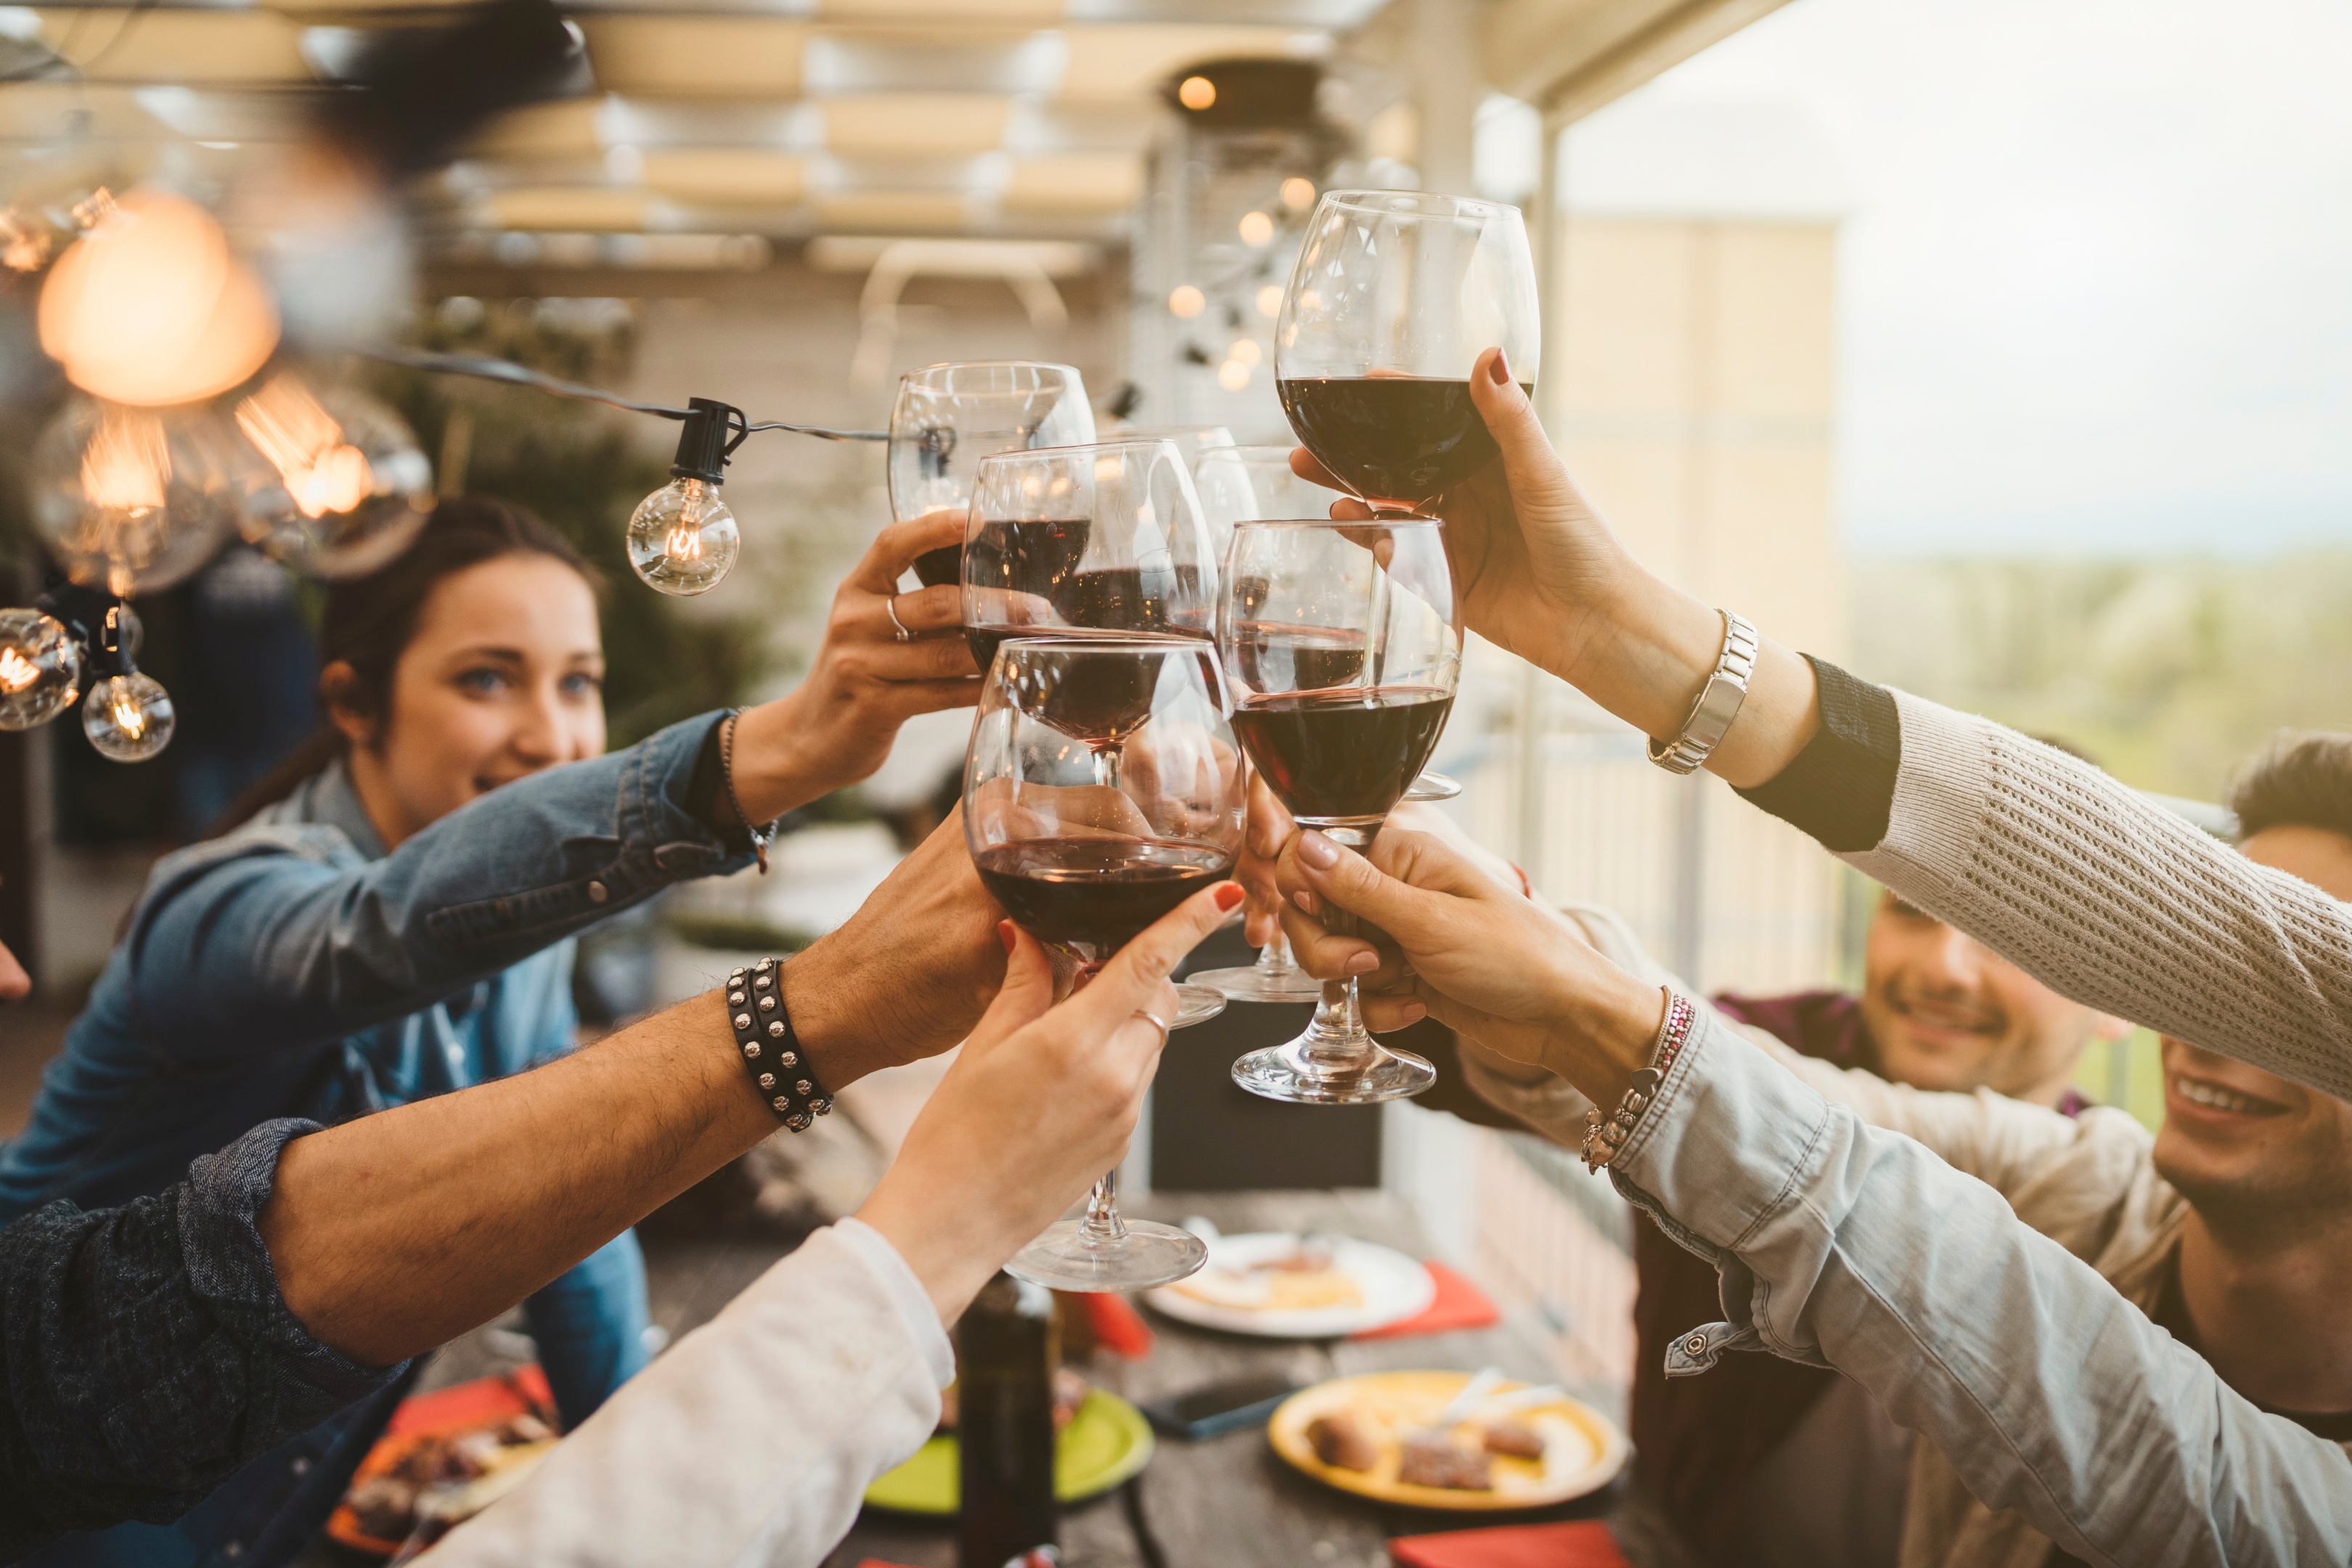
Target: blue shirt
x,y
294,969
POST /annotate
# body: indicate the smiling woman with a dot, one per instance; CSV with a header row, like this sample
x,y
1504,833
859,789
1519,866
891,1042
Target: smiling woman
x,y
388,917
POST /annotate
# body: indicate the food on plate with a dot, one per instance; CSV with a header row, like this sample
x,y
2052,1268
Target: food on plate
x,y
1070,1391
1341,1440
1514,1438
1435,1459
1300,1281
388,1505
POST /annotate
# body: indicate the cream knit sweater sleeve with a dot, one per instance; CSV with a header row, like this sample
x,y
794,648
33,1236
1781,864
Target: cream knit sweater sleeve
x,y
2115,901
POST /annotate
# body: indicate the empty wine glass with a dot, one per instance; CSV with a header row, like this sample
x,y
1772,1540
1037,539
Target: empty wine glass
x,y
1394,296
947,418
1085,866
1104,540
1342,647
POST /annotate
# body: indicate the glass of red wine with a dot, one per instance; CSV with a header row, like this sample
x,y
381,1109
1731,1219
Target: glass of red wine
x,y
1101,541
1394,296
1085,865
1342,646
947,418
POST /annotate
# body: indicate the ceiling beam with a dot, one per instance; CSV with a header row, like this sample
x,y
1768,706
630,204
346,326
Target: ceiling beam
x,y
1570,58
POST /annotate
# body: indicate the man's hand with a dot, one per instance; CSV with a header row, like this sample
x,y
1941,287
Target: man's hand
x,y
836,726
910,972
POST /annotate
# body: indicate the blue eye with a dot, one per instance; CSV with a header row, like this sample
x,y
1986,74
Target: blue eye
x,y
483,679
582,685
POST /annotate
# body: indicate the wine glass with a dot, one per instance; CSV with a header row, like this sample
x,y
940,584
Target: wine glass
x,y
1394,296
1104,540
1342,645
1083,866
947,418
1194,441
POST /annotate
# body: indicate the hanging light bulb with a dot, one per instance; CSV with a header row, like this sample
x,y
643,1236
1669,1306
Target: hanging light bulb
x,y
346,489
41,668
128,716
682,539
130,499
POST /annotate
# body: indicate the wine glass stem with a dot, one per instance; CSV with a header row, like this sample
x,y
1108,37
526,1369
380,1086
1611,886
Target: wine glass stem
x,y
1274,960
1103,1223
1338,1040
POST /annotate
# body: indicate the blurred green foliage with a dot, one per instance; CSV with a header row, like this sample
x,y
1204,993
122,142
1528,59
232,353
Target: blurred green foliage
x,y
2170,672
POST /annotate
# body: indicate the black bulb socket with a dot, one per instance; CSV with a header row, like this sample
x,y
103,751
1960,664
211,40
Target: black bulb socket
x,y
713,430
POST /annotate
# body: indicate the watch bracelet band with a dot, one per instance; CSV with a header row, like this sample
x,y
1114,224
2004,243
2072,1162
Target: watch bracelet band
x,y
1718,701
1605,1136
772,1053
759,833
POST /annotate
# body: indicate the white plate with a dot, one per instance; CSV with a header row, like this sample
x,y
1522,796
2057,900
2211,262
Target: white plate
x,y
1394,1286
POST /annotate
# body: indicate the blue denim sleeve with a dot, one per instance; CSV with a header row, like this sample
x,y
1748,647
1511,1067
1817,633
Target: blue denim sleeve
x,y
273,938
1841,1245
148,1354
590,1325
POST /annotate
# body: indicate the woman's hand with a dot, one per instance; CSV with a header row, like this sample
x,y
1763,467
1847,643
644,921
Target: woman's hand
x,y
1539,573
836,727
1501,969
1039,1104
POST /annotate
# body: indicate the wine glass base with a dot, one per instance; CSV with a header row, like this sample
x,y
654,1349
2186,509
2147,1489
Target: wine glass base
x,y
1433,786
1068,1259
1289,1073
1248,983
1196,1005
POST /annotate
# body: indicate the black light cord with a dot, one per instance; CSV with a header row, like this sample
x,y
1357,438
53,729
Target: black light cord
x,y
513,374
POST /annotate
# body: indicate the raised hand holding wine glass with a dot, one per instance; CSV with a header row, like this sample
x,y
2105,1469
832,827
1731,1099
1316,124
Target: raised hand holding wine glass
x,y
1342,646
1085,865
947,418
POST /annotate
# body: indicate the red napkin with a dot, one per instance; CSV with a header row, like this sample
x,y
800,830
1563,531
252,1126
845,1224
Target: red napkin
x,y
1458,1304
486,1399
1117,1327
877,1563
1577,1543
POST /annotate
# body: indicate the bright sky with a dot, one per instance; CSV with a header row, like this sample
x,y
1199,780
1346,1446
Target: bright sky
x,y
2096,287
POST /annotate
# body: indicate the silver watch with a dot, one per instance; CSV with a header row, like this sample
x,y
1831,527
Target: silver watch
x,y
1718,702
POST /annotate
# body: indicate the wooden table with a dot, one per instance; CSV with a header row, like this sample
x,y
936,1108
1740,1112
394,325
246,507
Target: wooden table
x,y
1229,1502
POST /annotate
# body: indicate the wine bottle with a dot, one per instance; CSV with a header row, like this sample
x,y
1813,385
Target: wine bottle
x,y
1004,1422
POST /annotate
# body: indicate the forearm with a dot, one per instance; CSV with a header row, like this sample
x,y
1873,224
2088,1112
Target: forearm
x,y
396,1232
2049,1393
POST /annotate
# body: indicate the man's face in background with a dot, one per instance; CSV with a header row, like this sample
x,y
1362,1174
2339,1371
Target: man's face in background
x,y
1948,1013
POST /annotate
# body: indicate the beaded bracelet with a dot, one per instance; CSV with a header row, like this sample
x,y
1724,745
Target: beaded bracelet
x,y
1603,1138
772,1052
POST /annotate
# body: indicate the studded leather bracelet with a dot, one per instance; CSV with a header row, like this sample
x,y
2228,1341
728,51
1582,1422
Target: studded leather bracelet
x,y
772,1052
1603,1138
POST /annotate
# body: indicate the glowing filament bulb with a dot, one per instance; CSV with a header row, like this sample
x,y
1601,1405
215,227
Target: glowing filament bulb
x,y
684,543
16,671
324,474
682,539
130,718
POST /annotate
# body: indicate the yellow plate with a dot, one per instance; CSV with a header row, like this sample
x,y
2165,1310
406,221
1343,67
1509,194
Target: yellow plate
x,y
1107,1441
1583,1450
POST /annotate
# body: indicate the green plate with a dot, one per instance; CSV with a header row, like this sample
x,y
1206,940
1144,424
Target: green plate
x,y
1106,1442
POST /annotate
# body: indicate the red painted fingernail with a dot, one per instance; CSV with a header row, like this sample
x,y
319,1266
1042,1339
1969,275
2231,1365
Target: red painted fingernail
x,y
1500,371
1004,934
1228,894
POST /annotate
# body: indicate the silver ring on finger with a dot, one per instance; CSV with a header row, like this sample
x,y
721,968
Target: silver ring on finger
x,y
897,626
1157,1022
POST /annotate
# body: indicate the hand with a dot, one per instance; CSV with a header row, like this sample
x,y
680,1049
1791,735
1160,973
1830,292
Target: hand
x,y
908,974
836,727
1536,570
1512,975
1267,830
1040,1102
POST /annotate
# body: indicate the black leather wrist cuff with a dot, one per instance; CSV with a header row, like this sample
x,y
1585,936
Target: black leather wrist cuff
x,y
772,1052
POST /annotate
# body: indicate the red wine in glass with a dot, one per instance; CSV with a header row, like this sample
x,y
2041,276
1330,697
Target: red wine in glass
x,y
1399,442
1345,755
1090,897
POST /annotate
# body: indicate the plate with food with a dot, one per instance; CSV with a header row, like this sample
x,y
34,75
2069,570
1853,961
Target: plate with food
x,y
1100,1441
1452,1440
443,1458
1287,1285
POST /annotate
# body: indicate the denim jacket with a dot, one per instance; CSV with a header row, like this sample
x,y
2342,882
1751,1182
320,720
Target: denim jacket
x,y
294,969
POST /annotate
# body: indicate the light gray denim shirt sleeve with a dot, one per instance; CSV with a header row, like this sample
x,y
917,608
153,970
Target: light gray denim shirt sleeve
x,y
1842,1245
297,937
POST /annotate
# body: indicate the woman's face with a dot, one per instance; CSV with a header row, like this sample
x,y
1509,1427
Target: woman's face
x,y
504,676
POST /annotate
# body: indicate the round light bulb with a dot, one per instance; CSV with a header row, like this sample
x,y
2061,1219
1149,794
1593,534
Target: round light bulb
x,y
1256,228
1184,301
128,717
131,499
343,487
1246,350
1269,300
1298,192
1233,375
1196,93
682,538
41,668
